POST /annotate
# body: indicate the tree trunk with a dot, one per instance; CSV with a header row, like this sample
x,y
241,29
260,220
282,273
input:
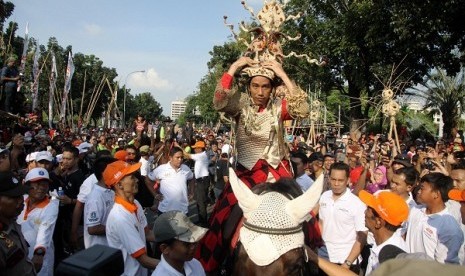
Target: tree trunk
x,y
450,119
355,112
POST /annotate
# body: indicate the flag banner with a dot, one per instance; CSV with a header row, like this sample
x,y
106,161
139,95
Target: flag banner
x,y
22,66
53,78
35,75
69,75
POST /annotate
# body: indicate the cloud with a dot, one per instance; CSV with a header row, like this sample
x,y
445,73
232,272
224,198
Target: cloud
x,y
93,29
148,81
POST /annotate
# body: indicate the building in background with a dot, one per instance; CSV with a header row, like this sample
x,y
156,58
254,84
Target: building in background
x,y
177,108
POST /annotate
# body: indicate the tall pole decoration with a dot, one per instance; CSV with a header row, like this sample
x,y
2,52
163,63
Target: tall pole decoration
x,y
69,75
35,75
53,79
22,66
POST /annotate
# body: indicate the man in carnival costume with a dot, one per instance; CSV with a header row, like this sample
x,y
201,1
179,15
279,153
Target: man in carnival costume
x,y
257,119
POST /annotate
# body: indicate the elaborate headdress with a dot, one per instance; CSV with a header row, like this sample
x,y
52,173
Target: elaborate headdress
x,y
266,40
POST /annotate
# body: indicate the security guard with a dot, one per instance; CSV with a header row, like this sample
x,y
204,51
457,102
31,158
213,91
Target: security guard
x,y
13,247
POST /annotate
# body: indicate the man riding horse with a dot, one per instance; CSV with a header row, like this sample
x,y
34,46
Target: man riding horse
x,y
257,119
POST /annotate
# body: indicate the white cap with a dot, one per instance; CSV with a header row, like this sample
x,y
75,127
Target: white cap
x,y
226,148
84,147
59,158
345,136
44,155
37,174
120,139
31,157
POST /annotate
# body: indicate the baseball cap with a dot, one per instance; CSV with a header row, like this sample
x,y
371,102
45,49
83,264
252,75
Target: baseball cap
x,y
121,155
199,144
4,150
115,171
59,158
402,159
44,155
457,194
76,143
10,186
303,145
84,147
37,174
175,224
390,206
226,148
329,155
31,157
316,156
144,148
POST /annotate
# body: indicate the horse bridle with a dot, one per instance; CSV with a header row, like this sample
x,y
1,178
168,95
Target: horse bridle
x,y
273,231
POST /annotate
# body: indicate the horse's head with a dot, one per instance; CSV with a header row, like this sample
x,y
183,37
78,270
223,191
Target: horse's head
x,y
272,227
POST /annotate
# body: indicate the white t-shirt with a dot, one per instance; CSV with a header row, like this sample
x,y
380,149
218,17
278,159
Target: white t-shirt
x,y
201,164
125,231
145,167
173,187
438,235
304,182
86,188
37,227
96,210
342,219
191,268
373,260
454,208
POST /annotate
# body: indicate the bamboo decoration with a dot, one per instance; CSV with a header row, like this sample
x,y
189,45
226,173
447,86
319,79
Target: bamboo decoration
x,y
313,117
390,110
94,98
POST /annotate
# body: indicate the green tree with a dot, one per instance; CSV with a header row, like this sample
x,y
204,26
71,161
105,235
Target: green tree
x,y
6,10
143,104
445,94
363,39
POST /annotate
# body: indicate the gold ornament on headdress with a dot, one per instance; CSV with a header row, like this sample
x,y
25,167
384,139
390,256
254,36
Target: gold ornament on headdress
x,y
266,41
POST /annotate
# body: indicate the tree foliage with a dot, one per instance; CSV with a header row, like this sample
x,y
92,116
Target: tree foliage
x,y
143,104
89,77
445,94
364,39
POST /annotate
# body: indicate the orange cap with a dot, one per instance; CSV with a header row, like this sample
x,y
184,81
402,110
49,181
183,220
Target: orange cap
x,y
76,142
121,155
390,206
115,171
457,194
199,144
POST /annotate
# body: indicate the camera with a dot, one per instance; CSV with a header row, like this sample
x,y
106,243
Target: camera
x,y
429,165
459,154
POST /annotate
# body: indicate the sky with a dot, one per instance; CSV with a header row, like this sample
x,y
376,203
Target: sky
x,y
170,40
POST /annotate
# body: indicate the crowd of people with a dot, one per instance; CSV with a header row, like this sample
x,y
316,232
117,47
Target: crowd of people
x,y
96,186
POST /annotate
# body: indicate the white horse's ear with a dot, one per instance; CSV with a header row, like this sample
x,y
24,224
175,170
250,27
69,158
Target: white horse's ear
x,y
300,207
248,201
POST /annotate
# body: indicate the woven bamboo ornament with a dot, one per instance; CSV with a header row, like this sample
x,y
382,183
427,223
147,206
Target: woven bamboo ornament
x,y
390,109
266,40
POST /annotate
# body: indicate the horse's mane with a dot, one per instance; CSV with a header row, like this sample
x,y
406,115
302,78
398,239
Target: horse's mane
x,y
285,186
